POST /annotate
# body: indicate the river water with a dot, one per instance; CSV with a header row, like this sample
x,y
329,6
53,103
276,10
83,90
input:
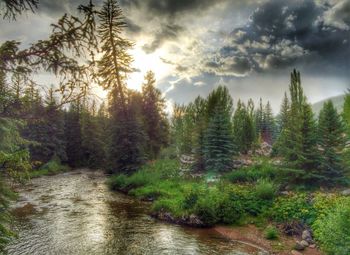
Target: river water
x,y
75,213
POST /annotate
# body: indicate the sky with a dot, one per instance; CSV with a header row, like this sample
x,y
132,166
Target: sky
x,y
250,46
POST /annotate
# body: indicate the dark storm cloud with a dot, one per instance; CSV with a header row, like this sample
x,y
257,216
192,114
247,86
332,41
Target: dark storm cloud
x,y
168,32
170,7
284,34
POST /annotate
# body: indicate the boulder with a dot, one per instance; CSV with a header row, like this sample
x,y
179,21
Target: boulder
x,y
299,246
304,243
346,192
306,235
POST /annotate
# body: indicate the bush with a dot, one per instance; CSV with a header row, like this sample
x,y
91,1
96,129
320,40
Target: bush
x,y
253,173
294,208
265,189
54,166
271,233
333,230
216,205
118,182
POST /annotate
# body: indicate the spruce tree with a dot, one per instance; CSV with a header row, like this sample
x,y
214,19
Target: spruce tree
x,y
219,148
219,141
93,153
243,129
154,117
332,141
310,156
73,135
126,150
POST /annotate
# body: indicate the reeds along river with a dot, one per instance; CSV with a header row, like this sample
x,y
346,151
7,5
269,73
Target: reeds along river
x,y
75,213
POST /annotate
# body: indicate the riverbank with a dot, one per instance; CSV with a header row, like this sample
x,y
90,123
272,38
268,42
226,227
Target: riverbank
x,y
76,213
277,213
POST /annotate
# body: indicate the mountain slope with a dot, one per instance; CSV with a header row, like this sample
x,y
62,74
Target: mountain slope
x,y
338,102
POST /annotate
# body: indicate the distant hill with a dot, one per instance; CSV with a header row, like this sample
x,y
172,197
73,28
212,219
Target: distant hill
x,y
338,102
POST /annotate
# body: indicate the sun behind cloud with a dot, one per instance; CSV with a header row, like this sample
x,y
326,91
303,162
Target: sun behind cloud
x,y
144,62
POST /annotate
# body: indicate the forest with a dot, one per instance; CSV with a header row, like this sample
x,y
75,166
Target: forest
x,y
210,162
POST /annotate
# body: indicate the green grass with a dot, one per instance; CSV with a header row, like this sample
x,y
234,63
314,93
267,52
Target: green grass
x,y
50,168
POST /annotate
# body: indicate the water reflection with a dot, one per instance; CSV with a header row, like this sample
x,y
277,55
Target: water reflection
x,y
76,214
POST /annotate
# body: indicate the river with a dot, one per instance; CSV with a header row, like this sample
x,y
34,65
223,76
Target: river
x,y
74,213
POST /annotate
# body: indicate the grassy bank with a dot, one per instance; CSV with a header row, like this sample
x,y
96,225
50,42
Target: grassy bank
x,y
250,194
50,168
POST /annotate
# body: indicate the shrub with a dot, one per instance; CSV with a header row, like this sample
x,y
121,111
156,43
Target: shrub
x,y
217,205
54,166
333,230
118,181
294,208
230,210
271,233
265,189
253,173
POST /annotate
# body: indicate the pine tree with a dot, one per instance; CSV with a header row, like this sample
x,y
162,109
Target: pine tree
x,y
269,125
218,141
297,142
155,121
332,142
346,118
243,129
93,152
219,148
73,135
309,157
125,152
284,112
47,131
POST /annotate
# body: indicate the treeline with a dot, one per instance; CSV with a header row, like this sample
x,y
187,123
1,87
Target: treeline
x,y
84,134
313,148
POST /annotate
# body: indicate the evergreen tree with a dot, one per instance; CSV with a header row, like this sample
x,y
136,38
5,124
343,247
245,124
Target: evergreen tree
x,y
218,142
346,117
269,125
155,121
297,141
243,129
309,157
92,143
332,142
47,132
126,150
73,135
219,148
284,112
200,127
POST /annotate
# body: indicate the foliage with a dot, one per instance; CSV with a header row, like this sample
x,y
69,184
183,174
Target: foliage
x,y
332,142
271,233
253,173
333,230
265,189
295,207
6,195
154,117
52,167
243,128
